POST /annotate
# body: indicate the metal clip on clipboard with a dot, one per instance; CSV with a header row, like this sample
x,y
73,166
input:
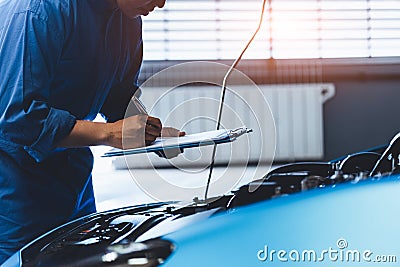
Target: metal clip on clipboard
x,y
233,134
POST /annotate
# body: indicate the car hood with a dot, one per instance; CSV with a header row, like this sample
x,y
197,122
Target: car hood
x,y
350,218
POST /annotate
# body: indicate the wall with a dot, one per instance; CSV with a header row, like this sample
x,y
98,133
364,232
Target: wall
x,y
362,114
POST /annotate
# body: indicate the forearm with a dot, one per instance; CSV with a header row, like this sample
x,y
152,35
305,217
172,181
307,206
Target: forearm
x,y
87,133
136,131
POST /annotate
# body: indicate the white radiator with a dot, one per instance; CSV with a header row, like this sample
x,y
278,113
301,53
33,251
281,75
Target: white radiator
x,y
297,113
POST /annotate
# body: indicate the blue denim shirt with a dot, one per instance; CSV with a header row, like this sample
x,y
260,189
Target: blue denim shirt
x,y
60,61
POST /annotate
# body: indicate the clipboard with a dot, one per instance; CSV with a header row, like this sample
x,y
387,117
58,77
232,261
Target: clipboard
x,y
187,141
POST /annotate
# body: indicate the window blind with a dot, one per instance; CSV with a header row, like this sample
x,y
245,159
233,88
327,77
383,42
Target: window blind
x,y
292,29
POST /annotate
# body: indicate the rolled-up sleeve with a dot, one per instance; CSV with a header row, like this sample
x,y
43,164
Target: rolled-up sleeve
x,y
32,46
57,125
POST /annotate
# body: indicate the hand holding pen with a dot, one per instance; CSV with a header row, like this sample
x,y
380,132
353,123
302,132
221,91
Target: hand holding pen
x,y
165,131
153,126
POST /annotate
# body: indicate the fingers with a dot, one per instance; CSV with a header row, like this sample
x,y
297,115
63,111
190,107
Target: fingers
x,y
147,128
151,134
154,122
152,129
171,132
169,153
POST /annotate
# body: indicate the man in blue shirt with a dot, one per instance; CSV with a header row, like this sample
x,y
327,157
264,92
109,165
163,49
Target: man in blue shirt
x,y
62,63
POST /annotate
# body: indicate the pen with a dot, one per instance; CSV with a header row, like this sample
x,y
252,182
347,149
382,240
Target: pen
x,y
142,110
139,105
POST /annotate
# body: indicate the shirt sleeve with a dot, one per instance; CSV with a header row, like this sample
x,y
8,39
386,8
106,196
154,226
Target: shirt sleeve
x,y
118,99
32,45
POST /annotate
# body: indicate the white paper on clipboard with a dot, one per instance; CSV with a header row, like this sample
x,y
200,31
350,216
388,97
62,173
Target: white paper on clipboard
x,y
187,141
